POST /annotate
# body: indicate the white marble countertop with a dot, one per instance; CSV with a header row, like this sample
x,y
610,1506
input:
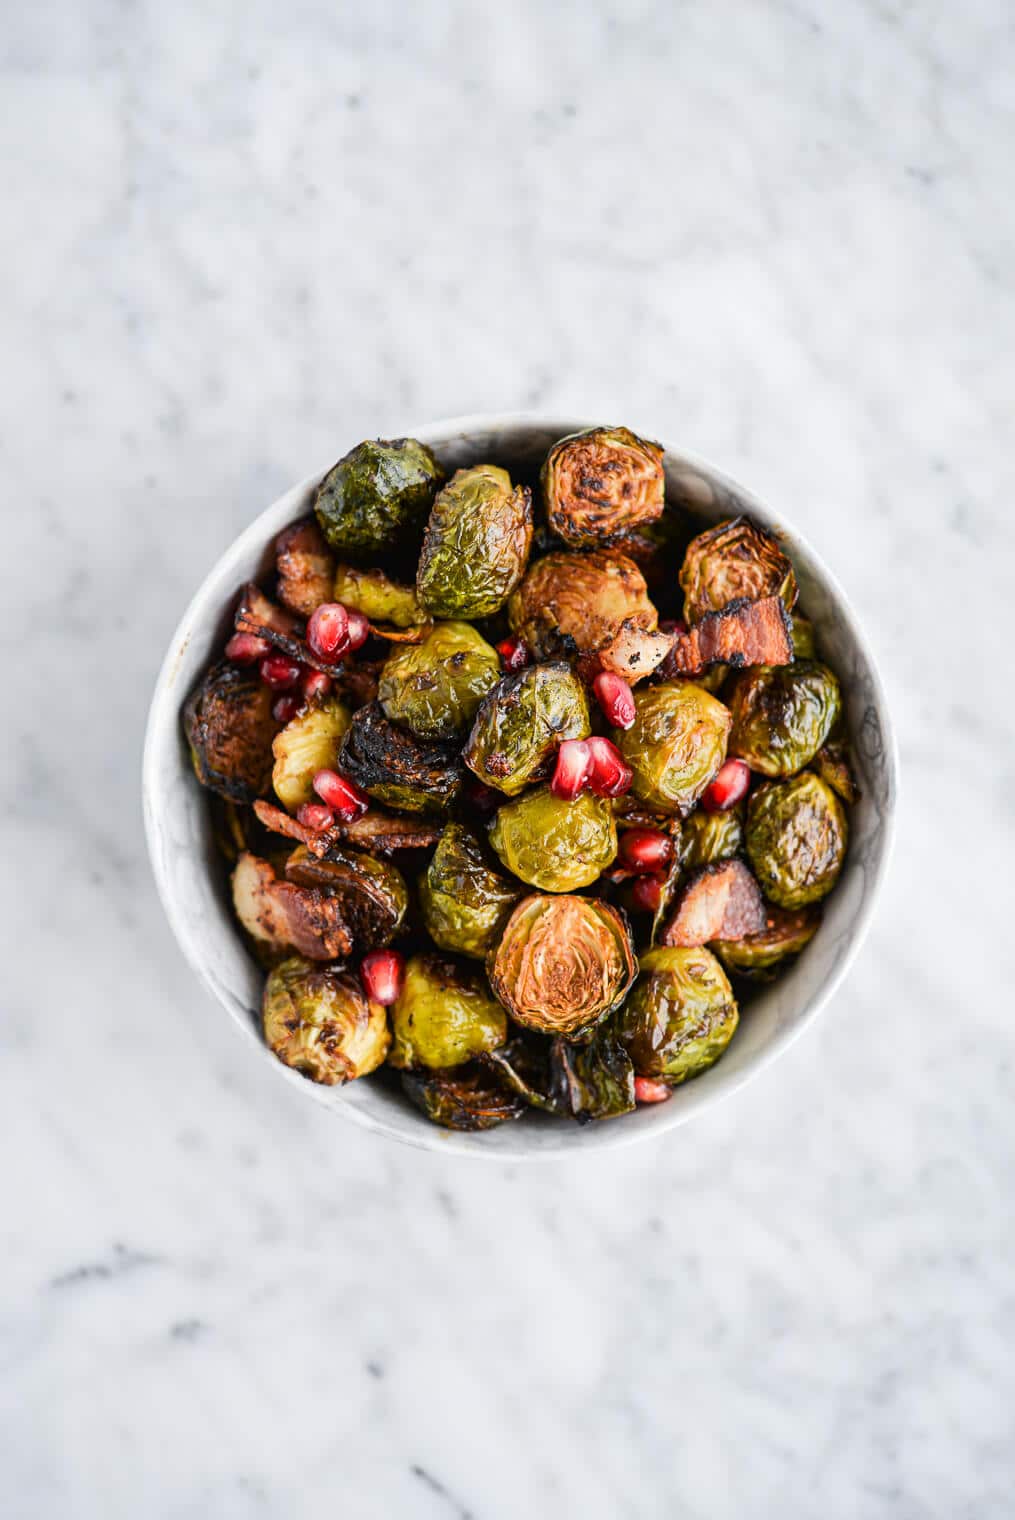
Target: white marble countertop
x,y
239,238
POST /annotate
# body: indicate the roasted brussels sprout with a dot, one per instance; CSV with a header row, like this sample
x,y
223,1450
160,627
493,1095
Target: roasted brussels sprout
x,y
563,964
601,483
710,837
477,544
372,893
675,745
377,496
305,567
435,687
379,598
796,839
782,716
444,1014
733,560
784,935
680,1015
394,766
552,844
308,743
521,722
467,1097
318,1021
579,601
464,901
230,728
279,914
803,638
594,1081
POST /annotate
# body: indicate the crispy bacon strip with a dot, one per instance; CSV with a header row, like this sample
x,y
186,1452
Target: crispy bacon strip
x,y
306,567
258,615
633,653
721,901
281,913
377,831
744,633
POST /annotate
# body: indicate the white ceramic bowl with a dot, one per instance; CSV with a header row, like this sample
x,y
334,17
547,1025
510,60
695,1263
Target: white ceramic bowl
x,y
192,885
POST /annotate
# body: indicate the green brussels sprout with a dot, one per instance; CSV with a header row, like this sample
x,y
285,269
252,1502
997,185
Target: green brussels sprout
x,y
372,892
709,837
680,1016
579,601
443,1015
563,964
732,560
782,715
600,483
520,723
675,745
464,902
466,1098
308,743
796,839
394,766
229,729
555,845
377,496
784,935
435,687
318,1021
803,637
379,598
476,545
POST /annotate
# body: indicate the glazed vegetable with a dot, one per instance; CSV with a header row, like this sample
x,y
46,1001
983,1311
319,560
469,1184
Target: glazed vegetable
x,y
277,914
317,1020
708,837
594,1081
308,743
733,561
680,1016
466,1098
477,544
745,633
832,764
783,936
443,1015
372,893
230,729
378,597
796,839
675,745
803,638
435,687
579,601
553,844
599,483
720,901
377,497
464,901
563,964
521,722
305,567
393,766
782,716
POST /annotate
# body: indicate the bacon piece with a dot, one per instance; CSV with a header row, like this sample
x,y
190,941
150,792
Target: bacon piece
x,y
721,901
633,653
306,567
280,913
744,633
259,615
379,832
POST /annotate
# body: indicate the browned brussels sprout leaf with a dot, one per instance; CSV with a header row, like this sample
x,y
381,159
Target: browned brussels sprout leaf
x,y
279,913
832,764
633,653
720,901
758,955
466,1098
308,743
520,723
318,1021
782,716
435,687
593,1081
579,601
680,1016
372,893
464,901
745,633
599,483
305,567
229,728
444,1014
477,544
523,1065
377,496
394,766
379,598
804,647
553,844
708,837
734,561
796,839
382,833
676,744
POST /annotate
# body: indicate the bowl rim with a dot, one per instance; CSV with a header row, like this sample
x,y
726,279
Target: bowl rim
x,y
610,1136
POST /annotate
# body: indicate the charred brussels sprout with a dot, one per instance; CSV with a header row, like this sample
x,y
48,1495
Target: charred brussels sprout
x,y
378,597
308,743
520,723
594,1081
555,845
710,837
444,1015
230,729
680,1016
396,767
318,1021
784,935
563,964
463,900
435,687
377,496
733,560
796,839
601,483
578,601
372,893
466,1098
782,715
676,744
477,543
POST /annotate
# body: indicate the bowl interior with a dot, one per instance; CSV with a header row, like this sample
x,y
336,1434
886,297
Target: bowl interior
x,y
192,885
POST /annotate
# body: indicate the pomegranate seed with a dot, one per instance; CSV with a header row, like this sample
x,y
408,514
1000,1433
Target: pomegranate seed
x,y
279,672
381,975
315,683
285,708
482,796
574,766
729,786
245,648
610,775
615,698
645,849
342,795
647,893
648,1090
514,653
328,631
359,628
314,815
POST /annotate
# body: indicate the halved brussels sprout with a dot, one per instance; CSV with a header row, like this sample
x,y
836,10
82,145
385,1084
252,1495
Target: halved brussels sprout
x,y
521,722
680,1016
305,567
709,837
784,935
435,687
308,743
555,845
803,638
379,598
372,892
377,496
563,964
466,1098
599,483
318,1021
477,544
796,839
579,601
230,728
444,1014
782,715
394,766
463,900
732,560
675,745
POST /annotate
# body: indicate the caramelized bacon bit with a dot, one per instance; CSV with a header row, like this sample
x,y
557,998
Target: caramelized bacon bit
x,y
721,901
375,831
744,633
306,567
281,913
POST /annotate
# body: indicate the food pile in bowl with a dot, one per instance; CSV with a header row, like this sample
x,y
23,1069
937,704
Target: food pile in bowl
x,y
521,784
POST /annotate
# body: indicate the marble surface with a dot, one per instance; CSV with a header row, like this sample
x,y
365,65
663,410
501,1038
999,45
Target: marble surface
x,y
240,237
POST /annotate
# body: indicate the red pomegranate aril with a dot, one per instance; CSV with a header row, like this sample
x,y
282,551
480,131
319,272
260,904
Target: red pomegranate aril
x,y
729,786
328,631
574,766
610,775
359,628
343,796
673,625
245,648
285,708
314,815
645,849
381,974
616,699
648,1090
280,673
315,684
647,893
514,653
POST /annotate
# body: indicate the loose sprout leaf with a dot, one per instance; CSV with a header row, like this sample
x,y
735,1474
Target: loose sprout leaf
x,y
594,1081
832,764
745,633
281,913
306,567
720,901
466,1098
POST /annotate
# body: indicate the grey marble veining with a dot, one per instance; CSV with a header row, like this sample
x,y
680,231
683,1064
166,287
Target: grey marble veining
x,y
242,237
